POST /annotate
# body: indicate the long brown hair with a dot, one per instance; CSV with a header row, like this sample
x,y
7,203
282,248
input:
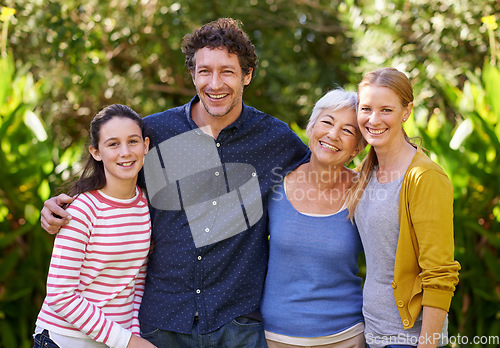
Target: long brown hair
x,y
93,176
401,86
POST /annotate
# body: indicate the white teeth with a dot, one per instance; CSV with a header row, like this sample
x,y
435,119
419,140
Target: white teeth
x,y
376,131
328,146
126,164
217,96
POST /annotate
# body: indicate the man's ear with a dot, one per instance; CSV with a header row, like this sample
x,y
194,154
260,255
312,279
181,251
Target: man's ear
x,y
248,77
95,153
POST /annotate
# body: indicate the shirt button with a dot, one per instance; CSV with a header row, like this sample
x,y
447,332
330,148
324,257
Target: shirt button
x,y
217,173
199,257
218,144
400,303
394,285
406,322
198,291
214,203
207,229
254,174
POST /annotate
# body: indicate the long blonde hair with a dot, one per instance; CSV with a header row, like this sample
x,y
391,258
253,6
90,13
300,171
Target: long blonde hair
x,y
401,86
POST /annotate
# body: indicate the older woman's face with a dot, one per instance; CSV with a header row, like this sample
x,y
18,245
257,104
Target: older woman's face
x,y
335,136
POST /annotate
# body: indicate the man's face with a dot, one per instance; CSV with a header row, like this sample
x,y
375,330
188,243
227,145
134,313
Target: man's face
x,y
219,81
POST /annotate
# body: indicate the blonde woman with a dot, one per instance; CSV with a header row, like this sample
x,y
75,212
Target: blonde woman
x,y
403,207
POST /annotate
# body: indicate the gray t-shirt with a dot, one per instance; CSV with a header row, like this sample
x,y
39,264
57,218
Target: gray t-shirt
x,y
377,219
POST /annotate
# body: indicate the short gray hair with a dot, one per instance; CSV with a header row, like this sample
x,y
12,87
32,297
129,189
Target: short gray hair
x,y
334,100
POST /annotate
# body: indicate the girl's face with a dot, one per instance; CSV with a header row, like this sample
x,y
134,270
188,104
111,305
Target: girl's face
x,y
380,117
335,137
121,149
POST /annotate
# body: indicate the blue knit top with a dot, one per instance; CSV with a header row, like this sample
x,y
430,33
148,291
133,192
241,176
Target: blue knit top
x,y
311,288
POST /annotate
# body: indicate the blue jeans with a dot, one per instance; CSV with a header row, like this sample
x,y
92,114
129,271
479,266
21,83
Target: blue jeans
x,y
42,340
241,332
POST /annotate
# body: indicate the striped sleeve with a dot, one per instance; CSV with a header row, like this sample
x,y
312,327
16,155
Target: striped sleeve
x,y
63,293
139,291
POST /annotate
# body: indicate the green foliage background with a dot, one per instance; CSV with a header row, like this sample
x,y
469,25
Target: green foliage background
x,y
68,58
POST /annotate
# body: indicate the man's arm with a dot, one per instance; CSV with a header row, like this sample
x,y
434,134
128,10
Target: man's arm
x,y
53,216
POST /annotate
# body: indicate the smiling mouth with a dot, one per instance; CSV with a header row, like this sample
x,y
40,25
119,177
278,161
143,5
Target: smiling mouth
x,y
217,96
329,147
126,164
376,131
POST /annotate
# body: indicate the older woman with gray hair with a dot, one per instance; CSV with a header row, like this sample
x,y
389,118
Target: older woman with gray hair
x,y
312,296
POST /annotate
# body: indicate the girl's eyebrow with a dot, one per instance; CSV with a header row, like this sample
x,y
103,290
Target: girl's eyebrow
x,y
109,139
130,136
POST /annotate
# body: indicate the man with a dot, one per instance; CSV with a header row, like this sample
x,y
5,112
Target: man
x,y
212,165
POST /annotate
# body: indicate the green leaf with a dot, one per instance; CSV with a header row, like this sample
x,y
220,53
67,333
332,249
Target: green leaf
x,y
6,73
44,190
31,214
491,78
462,132
35,124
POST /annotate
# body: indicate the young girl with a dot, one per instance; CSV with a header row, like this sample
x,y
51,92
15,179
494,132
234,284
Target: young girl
x,y
403,207
98,266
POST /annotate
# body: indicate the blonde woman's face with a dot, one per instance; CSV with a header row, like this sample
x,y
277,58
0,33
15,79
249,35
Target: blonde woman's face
x,y
380,116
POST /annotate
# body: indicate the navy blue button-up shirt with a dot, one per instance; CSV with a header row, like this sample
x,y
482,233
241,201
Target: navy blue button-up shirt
x,y
208,203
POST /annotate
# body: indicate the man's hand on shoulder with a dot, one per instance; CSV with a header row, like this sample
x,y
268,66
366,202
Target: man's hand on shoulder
x,y
53,216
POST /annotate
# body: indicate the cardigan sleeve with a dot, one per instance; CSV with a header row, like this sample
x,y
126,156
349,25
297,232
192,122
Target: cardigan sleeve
x,y
431,211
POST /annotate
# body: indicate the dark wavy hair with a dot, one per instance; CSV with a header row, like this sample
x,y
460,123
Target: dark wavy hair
x,y
93,176
224,32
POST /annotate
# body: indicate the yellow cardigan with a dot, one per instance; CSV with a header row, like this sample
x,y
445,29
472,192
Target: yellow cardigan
x,y
425,271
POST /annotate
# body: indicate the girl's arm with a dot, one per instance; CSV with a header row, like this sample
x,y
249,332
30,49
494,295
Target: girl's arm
x,y
139,292
138,342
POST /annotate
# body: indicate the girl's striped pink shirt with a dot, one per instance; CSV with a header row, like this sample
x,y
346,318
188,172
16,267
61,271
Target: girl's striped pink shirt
x,y
98,269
